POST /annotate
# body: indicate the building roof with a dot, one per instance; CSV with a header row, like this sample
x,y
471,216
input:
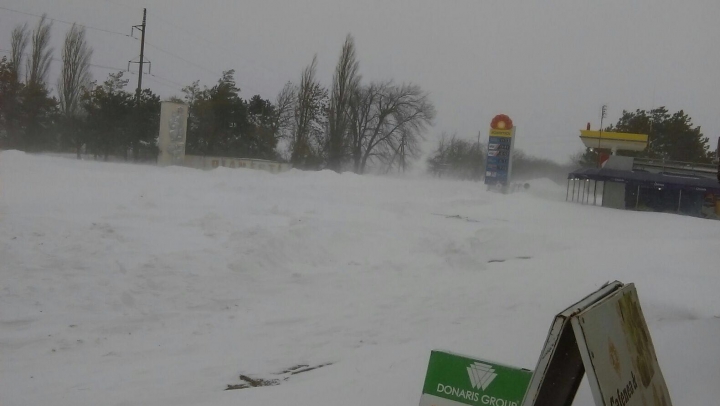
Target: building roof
x,y
614,140
648,179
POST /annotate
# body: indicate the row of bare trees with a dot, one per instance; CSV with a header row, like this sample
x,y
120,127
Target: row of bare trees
x,y
353,124
460,158
29,111
26,105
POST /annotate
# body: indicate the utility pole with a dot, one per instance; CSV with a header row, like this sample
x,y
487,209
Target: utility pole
x,y
138,92
603,114
141,28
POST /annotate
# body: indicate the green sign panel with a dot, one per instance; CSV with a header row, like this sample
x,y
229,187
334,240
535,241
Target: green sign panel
x,y
455,380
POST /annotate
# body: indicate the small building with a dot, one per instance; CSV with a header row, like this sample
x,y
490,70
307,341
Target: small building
x,y
624,183
212,162
640,190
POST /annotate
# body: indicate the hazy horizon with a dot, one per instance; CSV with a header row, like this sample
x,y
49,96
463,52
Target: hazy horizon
x,y
550,66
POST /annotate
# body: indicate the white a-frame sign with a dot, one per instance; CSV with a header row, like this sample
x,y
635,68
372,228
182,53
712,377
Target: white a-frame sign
x,y
605,335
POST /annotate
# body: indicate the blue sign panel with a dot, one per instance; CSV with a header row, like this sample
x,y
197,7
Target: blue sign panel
x,y
497,167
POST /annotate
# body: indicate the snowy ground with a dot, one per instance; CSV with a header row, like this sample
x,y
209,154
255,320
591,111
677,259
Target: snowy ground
x,y
137,285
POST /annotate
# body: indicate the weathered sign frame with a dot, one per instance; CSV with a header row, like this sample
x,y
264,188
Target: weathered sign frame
x,y
608,320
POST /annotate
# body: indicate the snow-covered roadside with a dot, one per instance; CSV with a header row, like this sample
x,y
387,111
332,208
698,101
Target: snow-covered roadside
x,y
125,285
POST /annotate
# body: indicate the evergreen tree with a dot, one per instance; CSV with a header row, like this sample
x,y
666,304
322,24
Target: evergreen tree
x,y
109,108
671,136
147,120
260,139
10,90
221,123
218,117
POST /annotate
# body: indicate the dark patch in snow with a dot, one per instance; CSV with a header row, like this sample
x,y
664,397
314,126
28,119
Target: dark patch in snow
x,y
295,368
249,382
307,369
457,217
503,260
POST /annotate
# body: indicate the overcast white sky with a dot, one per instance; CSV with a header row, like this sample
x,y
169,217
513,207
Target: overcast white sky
x,y
549,64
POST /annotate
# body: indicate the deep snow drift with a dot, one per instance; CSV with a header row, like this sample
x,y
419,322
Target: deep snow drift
x,y
136,285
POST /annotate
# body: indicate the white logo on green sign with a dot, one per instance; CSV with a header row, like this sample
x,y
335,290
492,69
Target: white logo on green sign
x,y
481,375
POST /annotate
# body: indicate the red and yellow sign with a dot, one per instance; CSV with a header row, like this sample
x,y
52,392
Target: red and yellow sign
x,y
501,122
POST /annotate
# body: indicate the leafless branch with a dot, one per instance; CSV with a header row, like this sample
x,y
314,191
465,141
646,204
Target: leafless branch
x,y
75,74
19,41
41,54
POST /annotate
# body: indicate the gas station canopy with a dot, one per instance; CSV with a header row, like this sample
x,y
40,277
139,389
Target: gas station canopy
x,y
614,141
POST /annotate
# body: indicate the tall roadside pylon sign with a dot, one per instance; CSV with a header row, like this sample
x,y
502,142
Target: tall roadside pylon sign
x,y
173,133
498,165
605,335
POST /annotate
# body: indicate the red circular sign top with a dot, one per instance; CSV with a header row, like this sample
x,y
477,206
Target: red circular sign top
x,y
501,122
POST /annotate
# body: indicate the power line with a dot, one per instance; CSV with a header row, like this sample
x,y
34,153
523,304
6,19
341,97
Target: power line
x,y
182,59
123,5
157,79
66,22
149,44
105,67
7,51
154,78
168,80
208,42
192,63
179,28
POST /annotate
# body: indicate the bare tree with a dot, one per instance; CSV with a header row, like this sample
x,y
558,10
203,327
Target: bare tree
x,y
18,44
36,103
389,121
285,112
74,78
363,115
40,55
308,126
458,158
75,74
11,110
345,84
